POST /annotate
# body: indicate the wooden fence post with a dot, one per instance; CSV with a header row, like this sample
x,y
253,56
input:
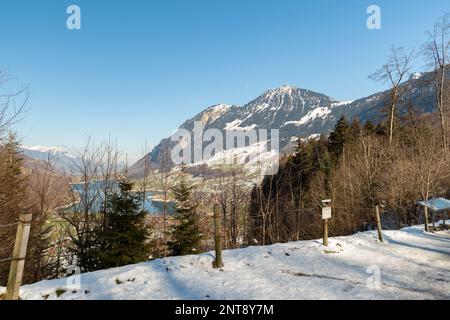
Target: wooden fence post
x,y
425,213
378,220
218,263
18,257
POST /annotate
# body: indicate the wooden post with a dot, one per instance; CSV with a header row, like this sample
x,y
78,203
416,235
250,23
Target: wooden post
x,y
18,257
425,213
325,232
378,220
218,263
326,214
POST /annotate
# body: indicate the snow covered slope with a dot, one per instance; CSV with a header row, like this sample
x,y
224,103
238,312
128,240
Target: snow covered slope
x,y
411,264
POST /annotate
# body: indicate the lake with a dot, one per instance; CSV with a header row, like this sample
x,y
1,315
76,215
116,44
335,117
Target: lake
x,y
96,197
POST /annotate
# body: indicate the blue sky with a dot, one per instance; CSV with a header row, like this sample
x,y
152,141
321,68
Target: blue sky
x,y
138,69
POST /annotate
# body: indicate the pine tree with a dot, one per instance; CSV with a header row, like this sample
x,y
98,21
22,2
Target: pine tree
x,y
123,236
337,138
324,161
369,127
185,235
355,129
302,167
12,198
381,129
38,265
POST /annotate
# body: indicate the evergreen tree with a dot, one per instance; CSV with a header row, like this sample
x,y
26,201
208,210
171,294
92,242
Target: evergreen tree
x,y
355,129
324,161
38,265
12,198
337,138
185,235
123,236
369,127
301,167
381,129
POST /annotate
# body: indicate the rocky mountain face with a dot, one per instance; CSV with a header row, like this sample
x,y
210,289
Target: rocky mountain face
x,y
298,113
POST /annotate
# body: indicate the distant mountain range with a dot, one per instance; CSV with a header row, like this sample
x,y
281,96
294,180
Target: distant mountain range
x,y
300,113
63,160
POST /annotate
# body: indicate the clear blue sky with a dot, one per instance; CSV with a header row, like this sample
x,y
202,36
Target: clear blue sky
x,y
138,69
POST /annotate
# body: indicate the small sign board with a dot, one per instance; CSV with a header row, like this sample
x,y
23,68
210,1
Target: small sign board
x,y
326,213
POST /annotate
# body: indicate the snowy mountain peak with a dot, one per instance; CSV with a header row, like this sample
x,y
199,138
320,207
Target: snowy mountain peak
x,y
58,151
287,89
213,113
416,75
291,90
341,103
63,160
282,91
45,149
220,107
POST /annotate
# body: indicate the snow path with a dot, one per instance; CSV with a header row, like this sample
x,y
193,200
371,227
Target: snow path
x,y
413,265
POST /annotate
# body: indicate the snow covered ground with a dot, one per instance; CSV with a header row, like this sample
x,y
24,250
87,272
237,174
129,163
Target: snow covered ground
x,y
411,264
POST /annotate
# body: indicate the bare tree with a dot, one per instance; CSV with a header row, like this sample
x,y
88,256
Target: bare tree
x,y
108,172
85,197
394,72
437,50
232,196
46,192
12,105
429,165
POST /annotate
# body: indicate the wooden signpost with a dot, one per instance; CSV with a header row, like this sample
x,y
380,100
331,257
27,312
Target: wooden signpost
x,y
378,221
326,214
